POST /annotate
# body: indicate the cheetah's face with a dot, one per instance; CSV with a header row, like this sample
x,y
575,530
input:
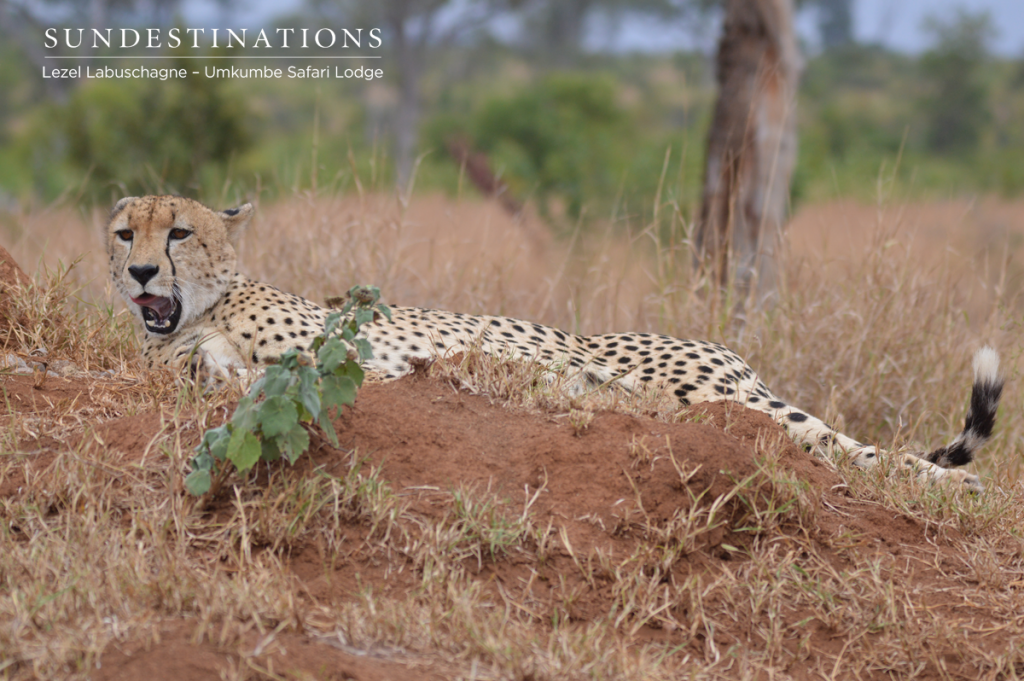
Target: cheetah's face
x,y
172,258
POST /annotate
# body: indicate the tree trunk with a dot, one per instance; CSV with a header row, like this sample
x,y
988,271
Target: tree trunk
x,y
835,22
751,147
407,119
561,30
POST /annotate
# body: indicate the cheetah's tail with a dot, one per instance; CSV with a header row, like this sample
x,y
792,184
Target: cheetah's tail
x,y
981,415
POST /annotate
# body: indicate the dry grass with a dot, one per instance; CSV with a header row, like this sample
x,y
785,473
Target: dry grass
x,y
49,322
878,340
101,547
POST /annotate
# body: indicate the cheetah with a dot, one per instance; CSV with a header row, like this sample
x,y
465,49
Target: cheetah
x,y
174,262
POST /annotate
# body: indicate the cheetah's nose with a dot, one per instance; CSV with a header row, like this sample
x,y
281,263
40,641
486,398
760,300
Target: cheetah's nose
x,y
143,273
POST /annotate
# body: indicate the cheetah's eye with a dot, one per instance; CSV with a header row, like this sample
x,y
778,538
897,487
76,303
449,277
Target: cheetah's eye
x,y
179,233
125,234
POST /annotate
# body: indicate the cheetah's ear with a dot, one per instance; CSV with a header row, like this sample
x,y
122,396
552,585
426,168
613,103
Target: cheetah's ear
x,y
235,220
120,206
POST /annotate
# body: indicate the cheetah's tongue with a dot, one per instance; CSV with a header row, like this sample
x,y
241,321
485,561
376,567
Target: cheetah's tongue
x,y
162,307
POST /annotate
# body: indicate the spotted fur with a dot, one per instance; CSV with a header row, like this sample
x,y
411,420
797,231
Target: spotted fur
x,y
229,323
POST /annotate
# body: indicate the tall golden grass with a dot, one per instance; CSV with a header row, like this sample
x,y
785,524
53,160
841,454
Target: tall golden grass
x,y
880,310
102,550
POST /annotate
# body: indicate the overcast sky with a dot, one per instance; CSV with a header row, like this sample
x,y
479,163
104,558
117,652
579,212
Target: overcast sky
x,y
895,23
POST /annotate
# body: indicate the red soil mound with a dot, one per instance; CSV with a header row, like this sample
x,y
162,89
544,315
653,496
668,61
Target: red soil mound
x,y
11,276
10,271
603,488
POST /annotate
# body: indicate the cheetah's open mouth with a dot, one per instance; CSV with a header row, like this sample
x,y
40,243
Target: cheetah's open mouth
x,y
160,314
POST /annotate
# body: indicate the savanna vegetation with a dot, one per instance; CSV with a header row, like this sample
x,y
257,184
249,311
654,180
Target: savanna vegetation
x,y
599,133
471,521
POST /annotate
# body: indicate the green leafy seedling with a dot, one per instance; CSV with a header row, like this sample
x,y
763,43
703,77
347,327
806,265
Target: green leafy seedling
x,y
292,396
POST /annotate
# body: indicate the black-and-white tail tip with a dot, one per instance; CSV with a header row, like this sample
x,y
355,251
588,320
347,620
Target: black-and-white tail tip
x,y
981,415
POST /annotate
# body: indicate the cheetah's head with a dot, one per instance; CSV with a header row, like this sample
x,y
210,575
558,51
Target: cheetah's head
x,y
172,258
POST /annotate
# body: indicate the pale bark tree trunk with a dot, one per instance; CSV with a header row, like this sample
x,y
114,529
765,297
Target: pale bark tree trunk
x,y
98,14
410,52
415,29
751,148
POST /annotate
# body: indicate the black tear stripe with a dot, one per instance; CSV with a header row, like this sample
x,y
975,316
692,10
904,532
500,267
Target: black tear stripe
x,y
131,245
978,426
128,258
167,250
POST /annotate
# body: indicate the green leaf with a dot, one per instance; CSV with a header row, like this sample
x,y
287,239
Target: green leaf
x,y
294,443
353,371
384,310
211,436
245,416
365,351
338,390
198,482
277,415
276,380
363,316
244,450
308,391
215,442
202,461
289,359
331,323
325,425
257,387
269,450
333,354
304,415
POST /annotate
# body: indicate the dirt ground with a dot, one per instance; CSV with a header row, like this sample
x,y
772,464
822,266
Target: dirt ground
x,y
603,488
428,437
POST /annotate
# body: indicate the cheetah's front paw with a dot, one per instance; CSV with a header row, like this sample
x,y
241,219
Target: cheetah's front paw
x,y
205,368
